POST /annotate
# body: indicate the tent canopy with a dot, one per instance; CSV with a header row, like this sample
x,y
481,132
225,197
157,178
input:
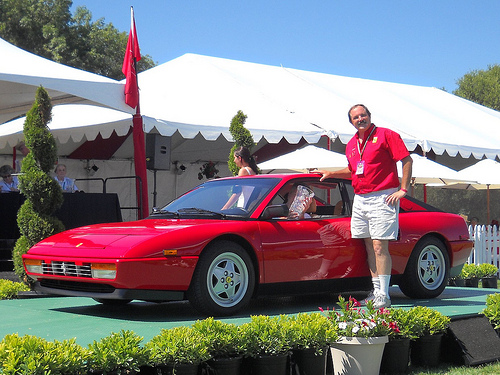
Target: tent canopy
x,y
486,172
196,96
22,72
208,91
305,159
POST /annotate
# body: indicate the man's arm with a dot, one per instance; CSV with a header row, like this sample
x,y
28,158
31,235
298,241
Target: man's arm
x,y
344,173
405,181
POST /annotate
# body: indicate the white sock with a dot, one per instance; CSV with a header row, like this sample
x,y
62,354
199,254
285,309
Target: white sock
x,y
385,280
376,284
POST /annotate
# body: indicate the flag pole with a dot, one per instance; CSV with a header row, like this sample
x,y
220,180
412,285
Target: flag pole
x,y
132,56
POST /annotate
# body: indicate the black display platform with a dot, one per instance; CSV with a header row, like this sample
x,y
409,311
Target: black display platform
x,y
78,209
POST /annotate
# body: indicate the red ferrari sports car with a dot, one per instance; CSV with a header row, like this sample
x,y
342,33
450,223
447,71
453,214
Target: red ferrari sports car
x,y
230,239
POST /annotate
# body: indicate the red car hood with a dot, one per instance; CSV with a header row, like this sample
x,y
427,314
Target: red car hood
x,y
114,240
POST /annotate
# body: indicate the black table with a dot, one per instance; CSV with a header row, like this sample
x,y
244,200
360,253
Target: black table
x,y
78,209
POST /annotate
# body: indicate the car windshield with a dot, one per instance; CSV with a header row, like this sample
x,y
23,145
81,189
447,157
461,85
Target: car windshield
x,y
228,197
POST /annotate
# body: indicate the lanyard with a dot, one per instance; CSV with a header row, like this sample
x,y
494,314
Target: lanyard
x,y
366,142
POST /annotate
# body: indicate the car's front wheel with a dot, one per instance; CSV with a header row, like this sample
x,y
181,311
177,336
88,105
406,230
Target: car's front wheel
x,y
427,271
223,281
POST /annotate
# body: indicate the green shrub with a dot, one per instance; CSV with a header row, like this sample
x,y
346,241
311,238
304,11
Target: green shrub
x,y
487,270
312,331
120,353
32,355
428,321
178,345
241,137
469,271
265,335
224,338
9,289
492,310
43,194
409,325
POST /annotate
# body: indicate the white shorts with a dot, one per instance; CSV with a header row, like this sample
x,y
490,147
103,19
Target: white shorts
x,y
373,218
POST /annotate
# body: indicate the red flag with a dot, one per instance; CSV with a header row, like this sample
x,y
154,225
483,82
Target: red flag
x,y
132,55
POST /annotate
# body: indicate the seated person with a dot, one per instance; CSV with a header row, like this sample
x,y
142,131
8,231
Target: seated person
x,y
300,205
9,182
67,184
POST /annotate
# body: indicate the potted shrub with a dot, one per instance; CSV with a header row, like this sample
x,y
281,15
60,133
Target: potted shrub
x,y
429,326
178,350
118,353
396,356
311,336
225,345
363,334
492,310
33,355
266,340
470,274
488,274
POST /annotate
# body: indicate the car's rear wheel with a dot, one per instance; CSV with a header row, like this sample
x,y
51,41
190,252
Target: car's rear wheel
x,y
427,271
223,281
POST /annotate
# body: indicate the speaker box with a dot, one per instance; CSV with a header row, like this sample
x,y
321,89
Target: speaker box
x,y
158,152
471,341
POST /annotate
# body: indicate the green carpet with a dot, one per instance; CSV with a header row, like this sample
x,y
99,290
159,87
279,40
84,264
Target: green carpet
x,y
59,318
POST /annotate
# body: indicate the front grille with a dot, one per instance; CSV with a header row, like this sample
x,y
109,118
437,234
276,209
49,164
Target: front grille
x,y
76,286
66,269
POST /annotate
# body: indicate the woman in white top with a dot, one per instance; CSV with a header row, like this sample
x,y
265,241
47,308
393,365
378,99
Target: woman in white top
x,y
9,183
248,167
67,184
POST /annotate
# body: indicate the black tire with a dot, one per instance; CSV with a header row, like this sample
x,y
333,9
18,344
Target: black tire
x,y
112,302
427,271
223,281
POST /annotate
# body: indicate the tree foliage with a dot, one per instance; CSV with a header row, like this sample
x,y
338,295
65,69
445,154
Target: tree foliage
x,y
47,28
43,194
241,137
481,86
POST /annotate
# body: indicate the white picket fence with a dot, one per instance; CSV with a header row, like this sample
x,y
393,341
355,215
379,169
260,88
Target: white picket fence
x,y
486,245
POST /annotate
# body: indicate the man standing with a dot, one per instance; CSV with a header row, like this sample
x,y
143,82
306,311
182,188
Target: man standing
x,y
372,155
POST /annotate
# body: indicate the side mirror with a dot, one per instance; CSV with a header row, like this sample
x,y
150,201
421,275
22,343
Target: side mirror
x,y
275,210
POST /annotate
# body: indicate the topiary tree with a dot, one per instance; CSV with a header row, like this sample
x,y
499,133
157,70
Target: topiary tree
x,y
43,194
241,137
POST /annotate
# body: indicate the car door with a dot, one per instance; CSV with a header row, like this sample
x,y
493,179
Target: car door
x,y
312,248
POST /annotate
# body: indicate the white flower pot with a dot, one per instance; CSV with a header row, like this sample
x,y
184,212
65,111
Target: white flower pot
x,y
358,355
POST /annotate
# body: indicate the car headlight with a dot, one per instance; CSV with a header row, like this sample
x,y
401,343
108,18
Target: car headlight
x,y
33,265
103,270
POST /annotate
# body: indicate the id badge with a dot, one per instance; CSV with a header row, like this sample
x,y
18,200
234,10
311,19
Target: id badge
x,y
360,168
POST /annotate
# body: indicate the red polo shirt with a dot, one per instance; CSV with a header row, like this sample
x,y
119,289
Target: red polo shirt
x,y
384,148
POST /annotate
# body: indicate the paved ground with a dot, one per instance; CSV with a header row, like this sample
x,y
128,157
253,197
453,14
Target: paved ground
x,y
59,318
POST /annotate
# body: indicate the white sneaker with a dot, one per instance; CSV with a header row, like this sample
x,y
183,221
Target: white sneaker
x,y
380,301
369,297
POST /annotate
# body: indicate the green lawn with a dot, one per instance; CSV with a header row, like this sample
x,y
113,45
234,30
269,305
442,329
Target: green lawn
x,y
487,369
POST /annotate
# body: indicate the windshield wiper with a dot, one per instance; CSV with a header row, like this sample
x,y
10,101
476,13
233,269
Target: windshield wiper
x,y
201,211
156,211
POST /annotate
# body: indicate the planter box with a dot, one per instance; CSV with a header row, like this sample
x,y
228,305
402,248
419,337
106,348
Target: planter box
x,y
489,282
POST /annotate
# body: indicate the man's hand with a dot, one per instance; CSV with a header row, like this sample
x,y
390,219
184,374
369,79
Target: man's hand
x,y
395,197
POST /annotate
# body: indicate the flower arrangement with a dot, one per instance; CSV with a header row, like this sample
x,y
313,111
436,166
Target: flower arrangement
x,y
208,170
354,321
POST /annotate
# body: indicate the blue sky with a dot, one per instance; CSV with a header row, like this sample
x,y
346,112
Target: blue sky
x,y
427,43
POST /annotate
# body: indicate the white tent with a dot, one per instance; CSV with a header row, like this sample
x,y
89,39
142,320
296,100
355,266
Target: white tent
x,y
194,89
193,98
198,95
487,174
425,171
305,159
22,72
